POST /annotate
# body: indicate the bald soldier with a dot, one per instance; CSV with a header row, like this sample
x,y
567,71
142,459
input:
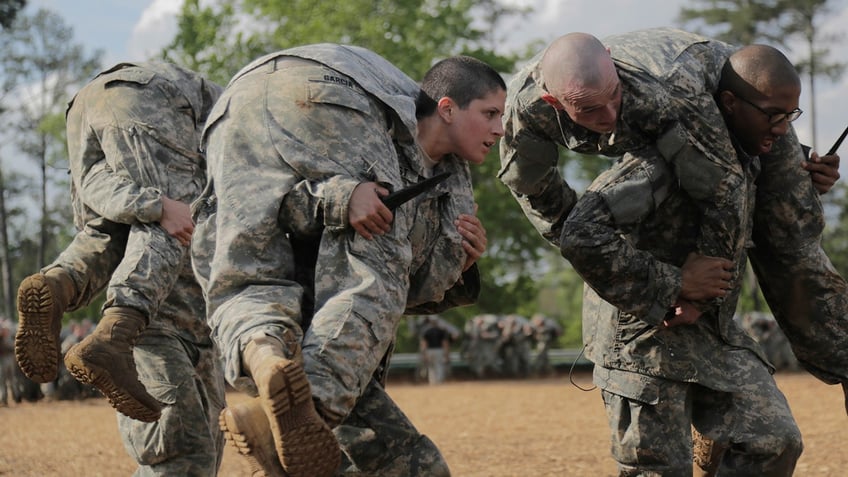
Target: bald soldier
x,y
662,364
656,88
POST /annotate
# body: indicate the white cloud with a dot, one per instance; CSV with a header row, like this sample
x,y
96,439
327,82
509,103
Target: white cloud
x,y
155,29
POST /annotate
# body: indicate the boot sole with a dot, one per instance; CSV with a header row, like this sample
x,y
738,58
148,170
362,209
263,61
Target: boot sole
x,y
98,377
251,439
37,340
305,444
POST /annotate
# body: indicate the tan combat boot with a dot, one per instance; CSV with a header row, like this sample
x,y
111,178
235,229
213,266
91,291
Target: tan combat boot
x,y
707,454
305,445
104,359
246,427
42,300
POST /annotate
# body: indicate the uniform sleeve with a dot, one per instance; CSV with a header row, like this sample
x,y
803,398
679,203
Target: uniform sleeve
x,y
594,242
312,206
529,168
119,199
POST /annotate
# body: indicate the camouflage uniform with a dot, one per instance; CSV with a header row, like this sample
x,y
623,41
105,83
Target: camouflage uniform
x,y
121,164
808,297
667,79
628,236
127,148
291,137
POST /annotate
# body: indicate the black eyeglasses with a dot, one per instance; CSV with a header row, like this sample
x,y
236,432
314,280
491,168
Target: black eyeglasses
x,y
775,118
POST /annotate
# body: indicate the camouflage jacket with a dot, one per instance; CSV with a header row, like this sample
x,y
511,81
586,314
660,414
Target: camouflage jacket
x,y
627,237
315,197
668,78
112,180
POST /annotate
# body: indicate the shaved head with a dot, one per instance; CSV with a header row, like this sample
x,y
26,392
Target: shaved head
x,y
755,70
574,62
579,76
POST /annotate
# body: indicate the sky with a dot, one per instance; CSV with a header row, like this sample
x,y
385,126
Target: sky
x,y
128,30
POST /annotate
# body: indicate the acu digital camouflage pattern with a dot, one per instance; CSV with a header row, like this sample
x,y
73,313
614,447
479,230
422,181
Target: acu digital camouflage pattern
x,y
808,297
377,438
287,143
133,136
667,80
657,382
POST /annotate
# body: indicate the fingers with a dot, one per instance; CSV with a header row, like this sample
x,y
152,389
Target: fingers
x,y
705,277
824,171
472,230
367,214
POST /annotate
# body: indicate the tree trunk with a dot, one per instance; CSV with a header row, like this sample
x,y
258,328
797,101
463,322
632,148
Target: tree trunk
x,y
5,264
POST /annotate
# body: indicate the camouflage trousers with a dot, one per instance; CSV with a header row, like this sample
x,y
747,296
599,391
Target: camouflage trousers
x,y
652,434
129,143
379,440
138,264
188,379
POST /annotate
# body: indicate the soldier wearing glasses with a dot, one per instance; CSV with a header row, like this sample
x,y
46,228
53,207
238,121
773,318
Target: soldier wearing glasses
x,y
656,88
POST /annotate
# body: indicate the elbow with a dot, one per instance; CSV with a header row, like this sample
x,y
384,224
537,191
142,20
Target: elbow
x,y
568,244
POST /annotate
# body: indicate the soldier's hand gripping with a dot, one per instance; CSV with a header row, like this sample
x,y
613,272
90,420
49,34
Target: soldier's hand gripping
x,y
474,233
176,220
704,277
824,171
366,212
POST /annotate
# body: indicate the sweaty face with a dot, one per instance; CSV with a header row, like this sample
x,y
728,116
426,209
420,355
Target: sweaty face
x,y
750,122
596,110
476,128
594,106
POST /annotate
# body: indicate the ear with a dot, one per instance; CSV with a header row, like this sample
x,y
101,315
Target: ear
x,y
446,107
726,101
548,98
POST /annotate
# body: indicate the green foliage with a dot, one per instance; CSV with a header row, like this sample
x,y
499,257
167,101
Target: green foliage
x,y
42,67
9,10
219,39
739,22
835,240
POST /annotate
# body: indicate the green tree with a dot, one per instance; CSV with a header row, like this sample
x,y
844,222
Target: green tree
x,y
835,240
49,67
801,19
9,10
41,68
220,38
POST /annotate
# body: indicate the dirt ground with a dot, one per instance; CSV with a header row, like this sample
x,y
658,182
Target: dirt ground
x,y
486,429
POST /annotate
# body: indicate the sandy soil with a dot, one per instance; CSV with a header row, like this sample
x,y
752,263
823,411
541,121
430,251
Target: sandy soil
x,y
485,429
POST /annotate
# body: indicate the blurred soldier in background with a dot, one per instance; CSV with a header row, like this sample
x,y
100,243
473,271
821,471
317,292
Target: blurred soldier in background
x,y
514,345
434,344
545,333
481,345
764,329
8,374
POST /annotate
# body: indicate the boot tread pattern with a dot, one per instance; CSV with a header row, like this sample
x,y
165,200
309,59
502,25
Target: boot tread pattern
x,y
118,399
236,435
305,444
37,339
